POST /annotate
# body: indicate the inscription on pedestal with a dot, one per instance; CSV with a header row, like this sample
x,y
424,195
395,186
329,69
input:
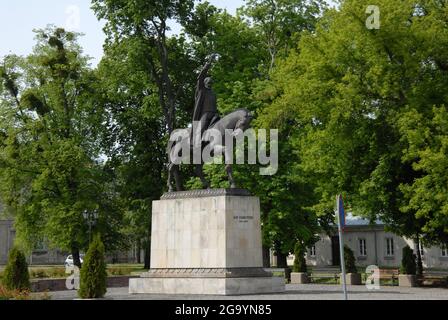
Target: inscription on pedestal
x,y
243,219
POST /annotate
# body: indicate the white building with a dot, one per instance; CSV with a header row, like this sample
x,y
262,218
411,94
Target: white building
x,y
372,245
7,235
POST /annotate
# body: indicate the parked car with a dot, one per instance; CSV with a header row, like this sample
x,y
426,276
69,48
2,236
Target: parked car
x,y
69,260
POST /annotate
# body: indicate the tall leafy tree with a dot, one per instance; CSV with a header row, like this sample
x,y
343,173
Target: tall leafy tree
x,y
367,102
240,78
281,22
134,138
50,168
147,21
148,76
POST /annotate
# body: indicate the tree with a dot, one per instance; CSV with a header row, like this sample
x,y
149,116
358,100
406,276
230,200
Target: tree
x,y
147,78
349,260
240,50
299,259
408,263
281,22
363,100
146,22
139,47
16,276
93,279
240,82
50,148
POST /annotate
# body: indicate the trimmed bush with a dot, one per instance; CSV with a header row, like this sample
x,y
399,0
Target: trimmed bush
x,y
93,272
16,276
408,262
299,259
350,262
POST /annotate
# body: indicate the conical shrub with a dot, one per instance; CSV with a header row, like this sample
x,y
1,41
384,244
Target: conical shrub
x,y
16,276
350,261
299,259
408,262
93,272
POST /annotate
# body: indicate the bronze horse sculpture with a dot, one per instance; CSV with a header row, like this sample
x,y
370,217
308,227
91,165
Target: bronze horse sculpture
x,y
180,149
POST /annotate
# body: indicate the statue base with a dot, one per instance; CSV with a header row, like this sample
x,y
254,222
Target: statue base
x,y
206,242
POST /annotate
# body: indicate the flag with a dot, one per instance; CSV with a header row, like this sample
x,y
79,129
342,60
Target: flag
x,y
341,211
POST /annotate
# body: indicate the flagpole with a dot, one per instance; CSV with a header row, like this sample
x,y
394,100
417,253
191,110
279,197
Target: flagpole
x,y
341,217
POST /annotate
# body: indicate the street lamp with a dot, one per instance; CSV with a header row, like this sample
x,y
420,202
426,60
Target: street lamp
x,y
91,217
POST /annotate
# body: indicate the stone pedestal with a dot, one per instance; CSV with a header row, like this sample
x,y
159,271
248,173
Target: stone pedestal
x,y
206,242
352,279
299,278
407,280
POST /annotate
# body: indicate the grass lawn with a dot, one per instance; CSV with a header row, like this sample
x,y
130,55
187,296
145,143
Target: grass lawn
x,y
56,271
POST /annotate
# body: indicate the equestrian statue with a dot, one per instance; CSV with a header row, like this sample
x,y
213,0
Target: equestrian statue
x,y
207,125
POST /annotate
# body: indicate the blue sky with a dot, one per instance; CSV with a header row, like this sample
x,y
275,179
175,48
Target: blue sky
x,y
19,17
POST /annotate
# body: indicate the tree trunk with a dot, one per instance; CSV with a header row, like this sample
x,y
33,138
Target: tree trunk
x,y
281,260
76,258
419,258
138,253
266,257
147,255
282,263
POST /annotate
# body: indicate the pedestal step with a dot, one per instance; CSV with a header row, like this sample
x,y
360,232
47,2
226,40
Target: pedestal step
x,y
208,286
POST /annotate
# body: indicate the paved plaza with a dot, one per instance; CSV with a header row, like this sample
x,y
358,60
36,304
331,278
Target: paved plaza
x,y
293,292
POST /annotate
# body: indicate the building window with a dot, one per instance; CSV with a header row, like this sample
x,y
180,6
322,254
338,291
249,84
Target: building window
x,y
389,247
444,251
313,251
362,247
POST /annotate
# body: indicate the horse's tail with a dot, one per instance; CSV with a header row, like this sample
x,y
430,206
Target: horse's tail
x,y
171,145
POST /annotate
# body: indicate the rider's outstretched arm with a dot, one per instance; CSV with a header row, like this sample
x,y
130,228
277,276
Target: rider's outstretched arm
x,y
204,72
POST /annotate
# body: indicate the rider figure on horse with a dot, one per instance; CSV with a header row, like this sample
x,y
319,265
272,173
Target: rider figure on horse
x,y
205,108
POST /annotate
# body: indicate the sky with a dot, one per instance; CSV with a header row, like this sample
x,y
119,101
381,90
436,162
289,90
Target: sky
x,y
18,18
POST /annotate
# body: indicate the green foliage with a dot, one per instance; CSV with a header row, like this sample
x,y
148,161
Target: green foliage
x,y
281,23
408,262
299,258
16,276
370,106
360,112
93,278
349,258
240,78
148,80
50,170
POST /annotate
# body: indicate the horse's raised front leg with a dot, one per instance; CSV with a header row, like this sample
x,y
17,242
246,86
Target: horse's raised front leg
x,y
228,158
177,178
229,170
168,183
200,174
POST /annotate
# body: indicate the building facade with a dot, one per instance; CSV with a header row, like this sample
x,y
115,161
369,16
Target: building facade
x,y
372,245
42,255
7,235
